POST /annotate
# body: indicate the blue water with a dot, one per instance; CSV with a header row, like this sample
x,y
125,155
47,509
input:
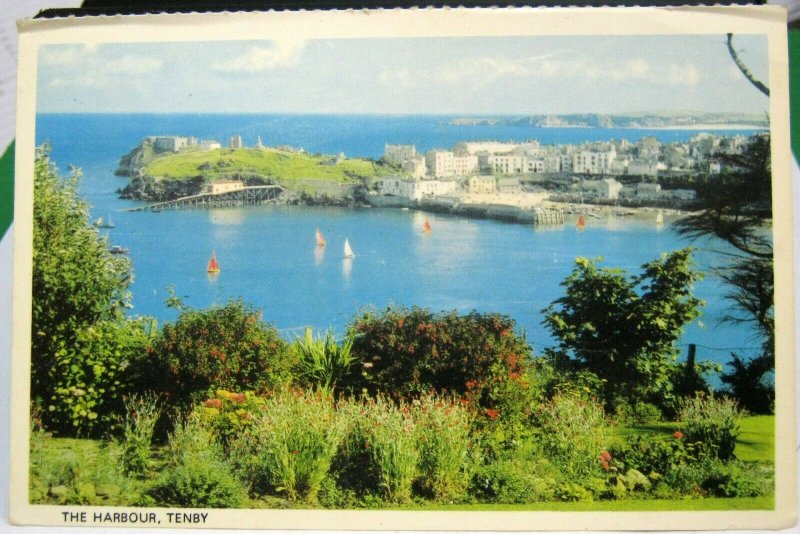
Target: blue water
x,y
268,257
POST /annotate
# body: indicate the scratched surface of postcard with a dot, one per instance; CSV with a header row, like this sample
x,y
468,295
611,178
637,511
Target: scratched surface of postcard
x,y
424,269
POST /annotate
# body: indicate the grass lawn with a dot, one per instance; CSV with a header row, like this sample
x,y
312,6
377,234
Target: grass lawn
x,y
633,505
268,162
756,441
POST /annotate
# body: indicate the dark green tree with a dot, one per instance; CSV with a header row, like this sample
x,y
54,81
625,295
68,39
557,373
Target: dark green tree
x,y
79,288
623,328
736,207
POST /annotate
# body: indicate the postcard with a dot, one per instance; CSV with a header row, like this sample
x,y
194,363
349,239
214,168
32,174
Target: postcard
x,y
426,269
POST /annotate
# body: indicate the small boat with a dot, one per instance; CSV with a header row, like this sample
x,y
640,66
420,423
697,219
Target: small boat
x,y
116,249
213,266
348,251
320,239
100,223
581,222
660,218
427,225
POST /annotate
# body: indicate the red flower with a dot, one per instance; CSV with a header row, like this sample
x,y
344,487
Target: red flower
x,y
678,435
605,460
213,403
492,414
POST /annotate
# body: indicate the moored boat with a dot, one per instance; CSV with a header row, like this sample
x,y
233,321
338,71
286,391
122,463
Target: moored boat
x,y
213,265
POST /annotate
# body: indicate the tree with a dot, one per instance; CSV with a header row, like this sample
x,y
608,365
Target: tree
x,y
623,328
77,284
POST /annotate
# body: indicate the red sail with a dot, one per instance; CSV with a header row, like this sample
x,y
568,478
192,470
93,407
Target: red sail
x,y
581,222
213,266
427,225
320,239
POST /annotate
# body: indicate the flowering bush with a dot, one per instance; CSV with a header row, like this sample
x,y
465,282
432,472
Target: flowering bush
x,y
409,352
443,430
228,414
290,445
571,434
712,422
222,347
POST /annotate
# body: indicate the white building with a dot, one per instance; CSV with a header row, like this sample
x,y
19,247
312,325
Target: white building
x,y
607,188
643,167
482,184
465,165
593,162
489,147
398,154
508,163
440,163
224,186
235,141
209,145
416,167
415,189
171,143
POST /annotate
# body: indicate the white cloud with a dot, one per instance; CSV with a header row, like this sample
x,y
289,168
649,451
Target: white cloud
x,y
282,53
683,74
482,71
395,78
131,64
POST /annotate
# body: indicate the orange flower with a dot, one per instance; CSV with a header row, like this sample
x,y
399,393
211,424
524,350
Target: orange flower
x,y
213,403
678,435
492,414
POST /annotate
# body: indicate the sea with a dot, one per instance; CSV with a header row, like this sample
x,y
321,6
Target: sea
x,y
268,255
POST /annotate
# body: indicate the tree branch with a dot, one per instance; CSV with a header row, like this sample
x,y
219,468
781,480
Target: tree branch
x,y
742,67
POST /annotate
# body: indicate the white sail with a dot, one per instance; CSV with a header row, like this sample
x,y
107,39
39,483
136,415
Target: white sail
x,y
348,252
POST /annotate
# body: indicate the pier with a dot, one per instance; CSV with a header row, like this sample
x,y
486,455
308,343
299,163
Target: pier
x,y
245,196
548,216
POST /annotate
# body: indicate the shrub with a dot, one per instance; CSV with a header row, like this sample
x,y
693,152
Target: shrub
x,y
515,480
323,363
571,432
737,479
228,414
79,291
90,375
443,430
652,455
195,475
226,347
409,352
291,444
712,422
142,413
638,413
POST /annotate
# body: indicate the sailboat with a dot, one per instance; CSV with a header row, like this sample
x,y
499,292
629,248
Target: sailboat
x,y
213,266
427,226
348,251
581,222
99,223
320,239
660,218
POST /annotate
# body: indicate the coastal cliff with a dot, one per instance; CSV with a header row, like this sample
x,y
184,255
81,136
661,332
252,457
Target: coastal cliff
x,y
159,176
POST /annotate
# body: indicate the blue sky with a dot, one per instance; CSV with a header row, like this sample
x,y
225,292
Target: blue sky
x,y
467,76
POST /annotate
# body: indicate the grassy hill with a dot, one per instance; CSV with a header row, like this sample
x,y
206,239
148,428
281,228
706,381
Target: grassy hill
x,y
266,162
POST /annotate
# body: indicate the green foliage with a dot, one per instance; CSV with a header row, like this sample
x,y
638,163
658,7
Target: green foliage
x,y
195,475
79,292
227,347
268,163
227,414
89,375
408,352
444,441
323,363
637,413
624,328
141,414
751,383
712,422
571,434
654,456
515,479
290,445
